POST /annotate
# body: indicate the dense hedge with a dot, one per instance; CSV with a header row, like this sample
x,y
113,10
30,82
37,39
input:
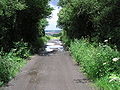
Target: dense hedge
x,y
99,22
91,18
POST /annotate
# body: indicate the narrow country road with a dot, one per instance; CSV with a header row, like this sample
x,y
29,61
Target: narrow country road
x,y
51,72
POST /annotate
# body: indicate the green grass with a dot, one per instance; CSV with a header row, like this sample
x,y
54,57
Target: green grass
x,y
98,61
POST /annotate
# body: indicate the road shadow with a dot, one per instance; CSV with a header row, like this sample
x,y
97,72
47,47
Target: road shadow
x,y
44,53
83,80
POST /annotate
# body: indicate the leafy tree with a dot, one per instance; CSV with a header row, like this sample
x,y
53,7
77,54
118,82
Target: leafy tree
x,y
90,18
19,20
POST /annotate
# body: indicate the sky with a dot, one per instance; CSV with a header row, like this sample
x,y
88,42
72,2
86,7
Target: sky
x,y
53,20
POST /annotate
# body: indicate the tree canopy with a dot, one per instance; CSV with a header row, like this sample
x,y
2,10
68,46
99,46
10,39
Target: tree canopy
x,y
22,19
91,18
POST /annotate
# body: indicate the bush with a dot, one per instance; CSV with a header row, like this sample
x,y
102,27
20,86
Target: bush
x,y
97,61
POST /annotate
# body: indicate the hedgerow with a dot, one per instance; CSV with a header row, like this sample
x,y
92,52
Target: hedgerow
x,y
99,62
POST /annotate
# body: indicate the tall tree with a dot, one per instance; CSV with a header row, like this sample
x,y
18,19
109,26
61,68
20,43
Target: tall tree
x,y
91,18
19,20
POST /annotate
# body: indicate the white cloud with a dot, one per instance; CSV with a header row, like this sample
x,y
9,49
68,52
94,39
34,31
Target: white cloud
x,y
53,20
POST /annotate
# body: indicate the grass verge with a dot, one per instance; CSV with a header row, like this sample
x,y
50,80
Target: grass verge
x,y
100,62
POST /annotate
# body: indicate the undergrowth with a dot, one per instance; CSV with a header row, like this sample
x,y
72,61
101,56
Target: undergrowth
x,y
11,63
100,62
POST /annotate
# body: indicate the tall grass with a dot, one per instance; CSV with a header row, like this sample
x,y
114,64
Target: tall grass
x,y
100,62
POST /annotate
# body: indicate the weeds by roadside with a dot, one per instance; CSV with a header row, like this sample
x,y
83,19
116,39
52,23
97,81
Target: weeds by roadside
x,y
100,62
11,63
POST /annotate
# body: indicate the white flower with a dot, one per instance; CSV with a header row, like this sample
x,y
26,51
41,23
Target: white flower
x,y
109,38
14,50
115,59
104,63
106,41
104,46
114,78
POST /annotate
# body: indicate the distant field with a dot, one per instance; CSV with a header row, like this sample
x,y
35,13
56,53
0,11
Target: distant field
x,y
51,32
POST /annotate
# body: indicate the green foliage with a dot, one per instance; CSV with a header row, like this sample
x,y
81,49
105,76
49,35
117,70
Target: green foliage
x,y
22,19
10,64
91,18
41,26
46,38
65,39
21,49
39,43
97,61
108,83
57,35
74,18
99,21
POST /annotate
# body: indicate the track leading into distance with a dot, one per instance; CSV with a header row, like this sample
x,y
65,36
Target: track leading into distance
x,y
53,69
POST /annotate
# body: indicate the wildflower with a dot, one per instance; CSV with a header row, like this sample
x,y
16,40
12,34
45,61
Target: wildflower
x,y
115,59
14,50
104,46
114,78
104,63
109,38
106,41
